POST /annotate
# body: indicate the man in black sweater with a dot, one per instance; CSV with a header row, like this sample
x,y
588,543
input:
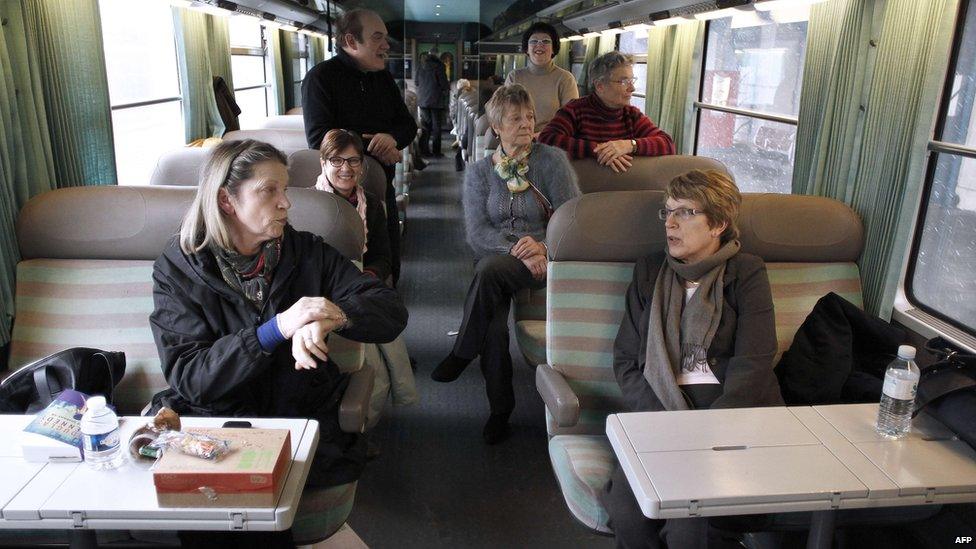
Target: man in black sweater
x,y
354,91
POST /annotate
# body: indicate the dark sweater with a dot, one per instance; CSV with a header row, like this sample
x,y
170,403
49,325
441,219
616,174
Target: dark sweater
x,y
586,122
377,259
742,350
336,94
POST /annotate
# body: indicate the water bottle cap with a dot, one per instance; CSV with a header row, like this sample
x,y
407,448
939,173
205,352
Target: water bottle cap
x,y
906,352
95,402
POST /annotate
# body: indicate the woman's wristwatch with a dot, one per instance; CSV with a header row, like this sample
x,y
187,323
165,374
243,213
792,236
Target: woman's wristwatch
x,y
633,146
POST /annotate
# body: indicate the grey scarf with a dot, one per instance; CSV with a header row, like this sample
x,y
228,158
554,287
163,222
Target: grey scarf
x,y
679,334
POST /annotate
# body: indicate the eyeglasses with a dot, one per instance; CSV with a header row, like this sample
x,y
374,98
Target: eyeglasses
x,y
544,42
683,214
625,81
338,161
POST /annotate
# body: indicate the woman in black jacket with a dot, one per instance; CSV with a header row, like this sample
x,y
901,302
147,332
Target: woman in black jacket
x,y
237,284
698,332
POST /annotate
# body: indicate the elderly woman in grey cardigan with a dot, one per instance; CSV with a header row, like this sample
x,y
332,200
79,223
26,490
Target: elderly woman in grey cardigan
x,y
508,199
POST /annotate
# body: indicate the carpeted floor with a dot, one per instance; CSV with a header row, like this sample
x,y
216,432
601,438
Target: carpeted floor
x,y
436,483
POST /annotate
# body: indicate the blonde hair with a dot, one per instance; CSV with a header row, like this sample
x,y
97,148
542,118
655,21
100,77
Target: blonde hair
x,y
230,164
715,192
512,95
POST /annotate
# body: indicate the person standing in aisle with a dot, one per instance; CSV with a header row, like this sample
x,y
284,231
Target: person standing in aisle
x,y
432,89
353,90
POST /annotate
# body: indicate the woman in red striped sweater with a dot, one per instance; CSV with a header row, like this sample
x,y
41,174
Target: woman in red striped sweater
x,y
604,125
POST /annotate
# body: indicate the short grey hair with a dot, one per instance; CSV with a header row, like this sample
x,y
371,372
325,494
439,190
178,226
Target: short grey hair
x,y
601,67
512,95
230,164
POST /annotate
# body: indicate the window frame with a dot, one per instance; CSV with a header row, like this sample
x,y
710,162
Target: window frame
x,y
639,59
262,52
700,106
935,148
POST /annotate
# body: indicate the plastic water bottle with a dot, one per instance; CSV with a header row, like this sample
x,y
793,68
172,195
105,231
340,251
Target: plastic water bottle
x,y
100,435
898,395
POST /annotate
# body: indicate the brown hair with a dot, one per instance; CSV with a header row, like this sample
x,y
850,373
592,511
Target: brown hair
x,y
717,194
351,22
337,140
512,95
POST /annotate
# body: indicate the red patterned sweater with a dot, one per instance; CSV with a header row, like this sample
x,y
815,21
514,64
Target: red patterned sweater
x,y
586,122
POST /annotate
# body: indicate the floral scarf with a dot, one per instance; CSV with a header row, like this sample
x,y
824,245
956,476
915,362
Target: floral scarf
x,y
512,169
250,275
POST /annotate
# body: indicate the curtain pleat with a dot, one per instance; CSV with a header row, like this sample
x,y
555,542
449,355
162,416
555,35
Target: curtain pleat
x,y
277,68
201,119
218,41
830,116
912,56
608,43
74,88
289,53
562,59
673,66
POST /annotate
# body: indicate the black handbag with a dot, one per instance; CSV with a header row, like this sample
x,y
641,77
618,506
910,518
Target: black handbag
x,y
947,390
91,371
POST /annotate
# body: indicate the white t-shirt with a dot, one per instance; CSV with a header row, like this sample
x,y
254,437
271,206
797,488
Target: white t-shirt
x,y
701,374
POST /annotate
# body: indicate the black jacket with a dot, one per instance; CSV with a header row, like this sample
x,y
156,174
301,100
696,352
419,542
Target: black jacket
x,y
742,350
377,258
336,94
206,336
432,85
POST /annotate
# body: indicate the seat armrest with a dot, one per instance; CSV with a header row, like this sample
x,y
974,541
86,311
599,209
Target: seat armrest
x,y
355,401
561,401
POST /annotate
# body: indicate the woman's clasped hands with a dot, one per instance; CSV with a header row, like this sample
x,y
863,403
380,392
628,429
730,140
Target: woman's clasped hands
x,y
307,323
533,254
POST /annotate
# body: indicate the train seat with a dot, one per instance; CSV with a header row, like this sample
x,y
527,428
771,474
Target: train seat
x,y
810,245
647,173
282,122
295,110
181,167
85,279
287,141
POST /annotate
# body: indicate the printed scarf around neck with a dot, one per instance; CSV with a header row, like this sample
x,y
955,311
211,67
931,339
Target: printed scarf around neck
x,y
249,275
679,334
513,169
323,184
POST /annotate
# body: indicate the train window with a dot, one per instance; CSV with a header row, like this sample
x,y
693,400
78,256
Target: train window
x,y
941,279
635,43
144,85
750,95
249,64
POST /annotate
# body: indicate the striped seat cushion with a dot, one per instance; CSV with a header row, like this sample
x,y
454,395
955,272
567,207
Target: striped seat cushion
x,y
64,303
531,338
797,287
583,464
530,304
585,302
322,511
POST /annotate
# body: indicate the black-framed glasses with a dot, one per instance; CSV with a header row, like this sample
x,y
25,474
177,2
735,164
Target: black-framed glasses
x,y
338,161
683,214
543,42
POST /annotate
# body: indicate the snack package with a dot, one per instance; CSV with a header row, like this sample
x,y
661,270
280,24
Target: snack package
x,y
140,441
193,444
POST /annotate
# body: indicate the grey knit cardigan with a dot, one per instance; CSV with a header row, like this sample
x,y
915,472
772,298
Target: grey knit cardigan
x,y
492,212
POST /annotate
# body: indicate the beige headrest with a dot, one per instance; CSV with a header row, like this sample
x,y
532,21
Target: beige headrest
x,y
648,173
137,222
287,141
481,125
180,167
283,122
623,226
375,180
303,168
294,110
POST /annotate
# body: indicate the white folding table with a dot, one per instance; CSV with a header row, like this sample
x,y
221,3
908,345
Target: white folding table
x,y
72,496
702,463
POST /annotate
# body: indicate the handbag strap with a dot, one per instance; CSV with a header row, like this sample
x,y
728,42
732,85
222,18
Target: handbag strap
x,y
49,385
542,200
941,379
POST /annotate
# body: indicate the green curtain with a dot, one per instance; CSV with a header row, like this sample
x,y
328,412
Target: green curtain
x,y
592,52
562,59
316,51
673,70
218,42
830,117
289,53
912,56
277,67
201,118
500,66
54,111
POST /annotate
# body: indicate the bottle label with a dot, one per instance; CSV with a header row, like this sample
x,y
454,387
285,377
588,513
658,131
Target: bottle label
x,y
900,389
101,443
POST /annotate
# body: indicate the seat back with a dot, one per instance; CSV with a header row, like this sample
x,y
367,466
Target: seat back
x,y
809,244
282,122
180,167
648,173
295,110
304,168
85,279
287,141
